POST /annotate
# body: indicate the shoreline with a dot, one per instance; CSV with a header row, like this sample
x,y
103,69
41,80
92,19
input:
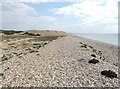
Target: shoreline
x,y
64,62
96,40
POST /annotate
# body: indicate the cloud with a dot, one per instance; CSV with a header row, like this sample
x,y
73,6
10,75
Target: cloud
x,y
0,15
32,1
12,12
47,18
16,15
92,14
37,1
92,10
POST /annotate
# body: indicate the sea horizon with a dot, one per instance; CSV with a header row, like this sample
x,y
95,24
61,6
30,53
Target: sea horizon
x,y
111,38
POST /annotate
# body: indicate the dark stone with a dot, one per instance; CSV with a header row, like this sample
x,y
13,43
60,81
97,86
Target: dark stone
x,y
1,74
84,45
80,42
103,58
93,55
45,43
94,50
109,73
99,53
91,47
8,68
94,61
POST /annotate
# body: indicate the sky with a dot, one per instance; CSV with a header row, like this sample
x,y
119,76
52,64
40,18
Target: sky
x,y
73,16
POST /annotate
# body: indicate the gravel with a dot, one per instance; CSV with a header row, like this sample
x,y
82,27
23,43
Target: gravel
x,y
63,63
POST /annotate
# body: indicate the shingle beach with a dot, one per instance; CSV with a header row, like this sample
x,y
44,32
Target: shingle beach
x,y
65,62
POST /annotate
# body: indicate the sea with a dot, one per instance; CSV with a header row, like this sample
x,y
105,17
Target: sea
x,y
107,38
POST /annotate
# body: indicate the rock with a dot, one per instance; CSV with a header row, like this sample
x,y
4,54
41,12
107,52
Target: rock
x,y
91,47
94,50
84,45
103,58
94,61
80,42
1,74
45,43
99,53
7,68
93,55
109,73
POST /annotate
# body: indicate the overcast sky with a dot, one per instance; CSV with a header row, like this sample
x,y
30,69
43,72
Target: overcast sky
x,y
82,16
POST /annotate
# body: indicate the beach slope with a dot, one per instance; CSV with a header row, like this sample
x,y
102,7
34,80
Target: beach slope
x,y
65,62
